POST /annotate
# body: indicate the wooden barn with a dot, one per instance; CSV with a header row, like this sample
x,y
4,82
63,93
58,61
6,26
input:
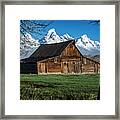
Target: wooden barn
x,y
59,58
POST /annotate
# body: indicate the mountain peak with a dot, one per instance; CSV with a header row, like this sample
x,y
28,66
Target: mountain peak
x,y
84,36
52,37
52,31
67,36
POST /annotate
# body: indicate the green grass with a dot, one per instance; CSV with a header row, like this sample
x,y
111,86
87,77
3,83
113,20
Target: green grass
x,y
59,87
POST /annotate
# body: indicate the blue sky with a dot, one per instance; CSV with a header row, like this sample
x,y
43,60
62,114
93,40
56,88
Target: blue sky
x,y
75,28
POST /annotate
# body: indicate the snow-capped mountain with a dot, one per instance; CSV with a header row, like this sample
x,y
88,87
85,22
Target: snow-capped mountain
x,y
88,46
52,37
27,45
85,45
66,37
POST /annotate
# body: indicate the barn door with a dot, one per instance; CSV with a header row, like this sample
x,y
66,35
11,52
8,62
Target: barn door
x,y
78,67
65,67
43,67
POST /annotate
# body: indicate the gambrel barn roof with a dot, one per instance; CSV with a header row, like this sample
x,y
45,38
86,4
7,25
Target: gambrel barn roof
x,y
46,51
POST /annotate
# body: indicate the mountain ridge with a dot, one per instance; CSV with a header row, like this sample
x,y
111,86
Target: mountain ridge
x,y
84,44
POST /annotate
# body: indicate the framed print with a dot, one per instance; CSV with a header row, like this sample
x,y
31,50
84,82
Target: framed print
x,y
60,60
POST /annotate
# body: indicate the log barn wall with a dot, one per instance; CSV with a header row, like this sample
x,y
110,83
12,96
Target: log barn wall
x,y
70,61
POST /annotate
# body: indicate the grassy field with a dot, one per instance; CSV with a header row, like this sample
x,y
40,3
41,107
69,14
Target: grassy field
x,y
59,87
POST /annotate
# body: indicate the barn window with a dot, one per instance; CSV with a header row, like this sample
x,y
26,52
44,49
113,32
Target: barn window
x,y
85,61
65,63
71,46
88,61
55,60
